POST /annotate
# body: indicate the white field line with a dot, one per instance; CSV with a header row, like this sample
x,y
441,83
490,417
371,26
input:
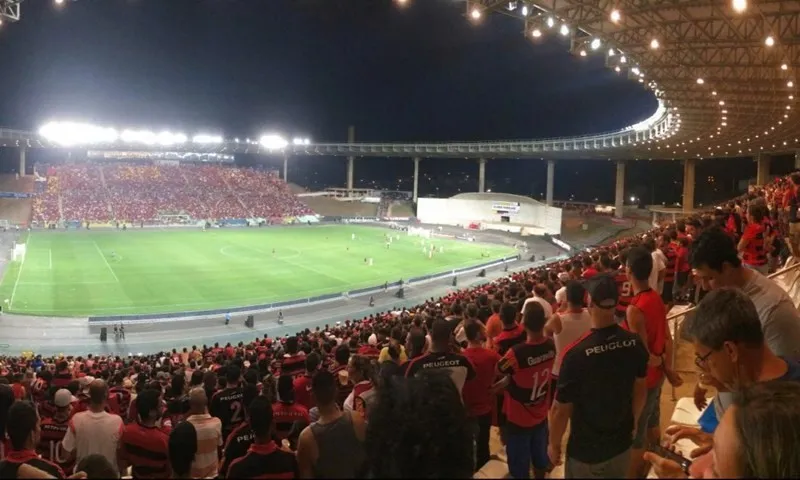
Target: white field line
x,y
106,261
19,273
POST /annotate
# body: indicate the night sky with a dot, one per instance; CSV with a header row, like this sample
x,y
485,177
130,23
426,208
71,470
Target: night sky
x,y
312,67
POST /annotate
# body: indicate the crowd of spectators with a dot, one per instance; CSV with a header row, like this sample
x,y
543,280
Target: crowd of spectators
x,y
135,193
415,392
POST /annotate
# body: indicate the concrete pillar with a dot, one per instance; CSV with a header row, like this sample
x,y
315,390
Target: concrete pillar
x,y
286,167
619,194
22,152
481,175
762,172
688,184
551,171
351,138
797,160
416,178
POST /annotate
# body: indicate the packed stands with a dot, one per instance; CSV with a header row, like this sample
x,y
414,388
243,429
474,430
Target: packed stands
x,y
425,426
141,192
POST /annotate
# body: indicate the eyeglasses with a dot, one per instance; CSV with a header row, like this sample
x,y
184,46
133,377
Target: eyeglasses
x,y
700,361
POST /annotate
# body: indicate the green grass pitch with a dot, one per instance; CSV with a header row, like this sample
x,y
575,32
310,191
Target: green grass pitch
x,y
157,271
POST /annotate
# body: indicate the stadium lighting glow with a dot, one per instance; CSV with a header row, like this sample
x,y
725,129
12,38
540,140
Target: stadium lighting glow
x,y
635,70
615,16
700,81
550,22
524,10
59,2
769,41
74,133
595,44
564,30
611,52
784,67
204,138
617,69
536,33
623,59
169,138
654,44
476,14
790,84
273,142
582,53
739,5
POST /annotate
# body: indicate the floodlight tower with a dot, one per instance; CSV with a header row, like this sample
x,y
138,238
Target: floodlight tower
x,y
9,10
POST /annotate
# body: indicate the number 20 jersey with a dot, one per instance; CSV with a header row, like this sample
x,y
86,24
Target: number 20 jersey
x,y
526,400
227,405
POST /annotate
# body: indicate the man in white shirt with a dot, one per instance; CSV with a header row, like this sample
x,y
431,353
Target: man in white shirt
x,y
94,431
656,280
539,290
209,435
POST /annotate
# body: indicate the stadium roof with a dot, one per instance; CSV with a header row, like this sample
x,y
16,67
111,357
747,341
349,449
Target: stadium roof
x,y
725,73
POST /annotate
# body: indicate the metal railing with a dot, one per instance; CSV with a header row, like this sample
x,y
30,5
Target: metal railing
x,y
674,317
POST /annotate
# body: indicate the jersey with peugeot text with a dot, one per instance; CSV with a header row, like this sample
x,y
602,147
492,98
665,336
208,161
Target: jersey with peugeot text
x,y
50,447
236,446
228,406
457,366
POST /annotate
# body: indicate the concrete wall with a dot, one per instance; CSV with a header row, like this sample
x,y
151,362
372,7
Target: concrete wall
x,y
452,211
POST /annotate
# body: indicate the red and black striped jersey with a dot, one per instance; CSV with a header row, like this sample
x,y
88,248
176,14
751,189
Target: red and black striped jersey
x,y
119,401
50,448
294,365
624,291
236,446
10,465
526,400
508,338
265,461
284,416
145,450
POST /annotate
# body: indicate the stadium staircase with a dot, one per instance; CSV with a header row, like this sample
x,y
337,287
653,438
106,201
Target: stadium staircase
x,y
60,208
106,192
236,195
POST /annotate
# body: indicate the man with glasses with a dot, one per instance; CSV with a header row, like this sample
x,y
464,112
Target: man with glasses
x,y
731,351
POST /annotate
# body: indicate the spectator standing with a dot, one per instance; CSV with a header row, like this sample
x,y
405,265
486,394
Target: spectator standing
x,y
227,403
478,391
182,449
264,459
240,439
209,435
333,446
144,444
53,430
568,326
22,431
714,258
302,384
440,358
94,430
526,398
287,414
602,390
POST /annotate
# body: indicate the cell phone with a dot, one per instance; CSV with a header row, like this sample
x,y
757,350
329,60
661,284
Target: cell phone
x,y
684,462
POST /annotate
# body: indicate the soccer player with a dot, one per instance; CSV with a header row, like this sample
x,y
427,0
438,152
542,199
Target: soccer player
x,y
227,404
264,459
527,398
143,445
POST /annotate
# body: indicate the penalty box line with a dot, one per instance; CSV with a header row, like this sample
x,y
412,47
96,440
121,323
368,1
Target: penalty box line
x,y
106,261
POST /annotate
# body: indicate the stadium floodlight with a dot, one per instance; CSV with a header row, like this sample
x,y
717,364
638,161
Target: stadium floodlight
x,y
769,41
582,53
595,44
615,16
739,6
564,30
74,133
623,59
536,33
273,142
306,141
611,52
297,141
139,136
169,138
206,139
59,2
550,22
525,11
476,14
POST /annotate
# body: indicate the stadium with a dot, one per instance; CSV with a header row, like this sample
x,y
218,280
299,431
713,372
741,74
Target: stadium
x,y
145,259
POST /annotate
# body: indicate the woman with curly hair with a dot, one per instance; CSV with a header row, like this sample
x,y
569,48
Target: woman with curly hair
x,y
419,429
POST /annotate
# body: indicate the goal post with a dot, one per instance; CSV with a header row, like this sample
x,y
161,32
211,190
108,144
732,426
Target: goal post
x,y
19,252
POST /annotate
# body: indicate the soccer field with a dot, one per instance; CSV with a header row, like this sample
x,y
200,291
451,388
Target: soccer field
x,y
157,271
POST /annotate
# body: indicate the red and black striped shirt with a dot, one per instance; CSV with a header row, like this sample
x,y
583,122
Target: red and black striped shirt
x,y
236,446
145,449
50,448
265,461
10,465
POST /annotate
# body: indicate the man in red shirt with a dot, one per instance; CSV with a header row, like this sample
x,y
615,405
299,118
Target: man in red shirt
x,y
477,392
527,397
647,316
512,333
302,384
144,445
753,244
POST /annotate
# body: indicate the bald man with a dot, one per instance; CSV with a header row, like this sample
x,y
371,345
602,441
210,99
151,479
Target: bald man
x,y
209,435
94,431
